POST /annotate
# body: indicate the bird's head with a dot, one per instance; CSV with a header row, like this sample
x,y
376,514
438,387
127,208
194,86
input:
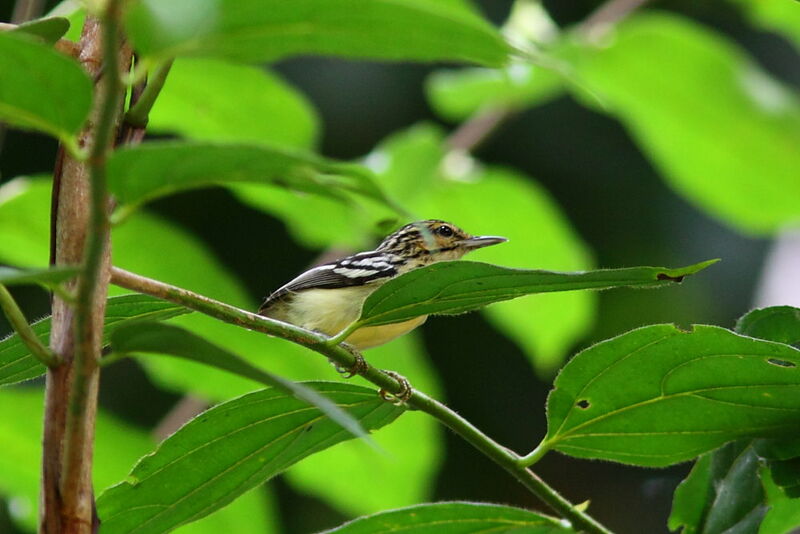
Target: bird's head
x,y
425,242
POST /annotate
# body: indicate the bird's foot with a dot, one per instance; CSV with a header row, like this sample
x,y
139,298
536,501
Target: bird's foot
x,y
359,364
398,397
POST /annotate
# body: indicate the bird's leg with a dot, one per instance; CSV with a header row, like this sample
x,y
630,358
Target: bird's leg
x,y
400,397
359,364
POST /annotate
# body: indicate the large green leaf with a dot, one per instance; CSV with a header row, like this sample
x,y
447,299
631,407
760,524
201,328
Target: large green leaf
x,y
265,30
41,88
145,172
149,338
455,518
459,94
723,493
228,450
216,100
721,130
460,286
17,363
117,445
658,395
48,277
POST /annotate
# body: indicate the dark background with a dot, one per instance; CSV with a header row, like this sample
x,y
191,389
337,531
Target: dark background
x,y
607,188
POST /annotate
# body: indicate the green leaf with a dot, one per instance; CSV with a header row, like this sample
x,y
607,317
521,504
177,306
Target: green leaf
x,y
252,512
228,450
17,363
459,94
47,277
692,498
215,100
723,493
49,29
658,395
156,338
266,30
777,323
145,172
775,15
455,518
117,445
732,154
461,286
48,92
25,221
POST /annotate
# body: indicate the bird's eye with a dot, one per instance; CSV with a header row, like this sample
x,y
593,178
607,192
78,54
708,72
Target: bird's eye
x,y
444,231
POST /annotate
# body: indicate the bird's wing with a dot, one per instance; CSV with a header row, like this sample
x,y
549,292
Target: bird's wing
x,y
356,270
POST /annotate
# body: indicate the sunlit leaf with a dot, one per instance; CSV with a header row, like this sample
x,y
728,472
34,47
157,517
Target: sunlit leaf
x,y
455,518
18,364
25,221
462,286
252,512
148,171
216,100
48,277
723,493
738,166
228,450
49,29
458,94
48,92
265,30
776,15
156,338
658,395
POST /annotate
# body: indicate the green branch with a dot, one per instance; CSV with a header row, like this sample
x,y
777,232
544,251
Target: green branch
x,y
20,325
139,114
503,457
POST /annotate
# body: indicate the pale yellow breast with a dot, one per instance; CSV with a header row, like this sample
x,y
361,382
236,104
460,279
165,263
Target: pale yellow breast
x,y
332,310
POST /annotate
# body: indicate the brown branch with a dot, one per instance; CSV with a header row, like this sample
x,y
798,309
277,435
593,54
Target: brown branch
x,y
67,503
603,19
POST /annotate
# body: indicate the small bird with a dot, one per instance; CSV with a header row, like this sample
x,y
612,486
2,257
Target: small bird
x,y
329,297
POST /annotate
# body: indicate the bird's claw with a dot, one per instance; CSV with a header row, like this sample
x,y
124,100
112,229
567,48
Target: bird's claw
x,y
358,367
399,397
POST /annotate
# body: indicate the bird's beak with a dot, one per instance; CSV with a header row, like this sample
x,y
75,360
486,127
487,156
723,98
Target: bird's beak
x,y
481,241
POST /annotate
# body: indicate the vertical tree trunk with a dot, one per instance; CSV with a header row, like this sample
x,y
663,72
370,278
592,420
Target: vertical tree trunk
x,y
67,506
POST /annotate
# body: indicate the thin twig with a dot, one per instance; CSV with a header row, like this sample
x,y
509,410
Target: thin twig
x,y
505,458
20,324
472,133
139,113
603,19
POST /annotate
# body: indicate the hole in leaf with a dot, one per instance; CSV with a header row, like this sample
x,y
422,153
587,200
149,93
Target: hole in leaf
x,y
665,276
583,404
781,363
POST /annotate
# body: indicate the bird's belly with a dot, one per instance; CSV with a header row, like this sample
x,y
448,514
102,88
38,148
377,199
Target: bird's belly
x,y
372,336
331,311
